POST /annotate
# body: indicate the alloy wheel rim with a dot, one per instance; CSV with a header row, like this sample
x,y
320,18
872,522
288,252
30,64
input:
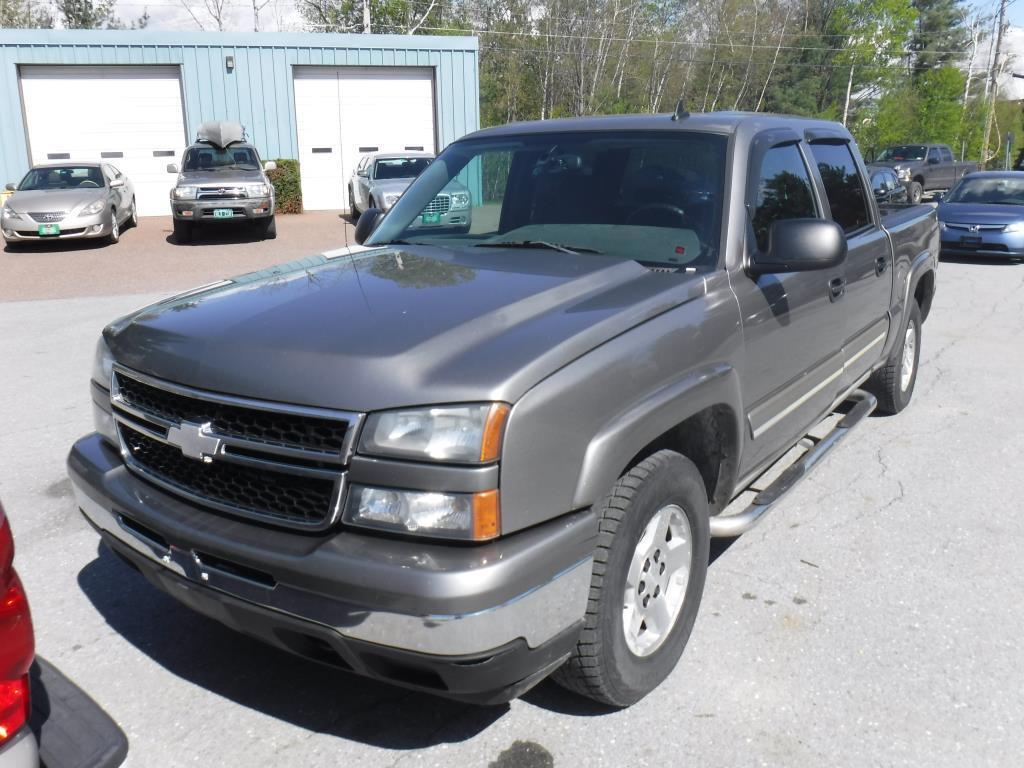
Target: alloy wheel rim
x,y
115,231
909,352
656,581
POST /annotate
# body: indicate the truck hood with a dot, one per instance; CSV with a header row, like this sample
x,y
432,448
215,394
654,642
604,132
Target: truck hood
x,y
221,178
980,213
44,200
396,326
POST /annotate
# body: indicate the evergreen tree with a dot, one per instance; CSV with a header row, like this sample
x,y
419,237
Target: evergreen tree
x,y
940,35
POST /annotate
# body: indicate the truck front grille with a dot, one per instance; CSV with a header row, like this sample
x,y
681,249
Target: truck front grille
x,y
276,496
221,193
276,463
440,204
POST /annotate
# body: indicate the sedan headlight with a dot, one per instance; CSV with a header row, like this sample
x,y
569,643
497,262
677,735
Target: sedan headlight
x,y
459,434
257,190
469,516
1017,226
102,364
91,208
10,213
460,201
390,198
185,193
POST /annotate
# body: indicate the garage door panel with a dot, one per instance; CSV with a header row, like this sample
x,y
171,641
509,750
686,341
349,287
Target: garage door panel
x,y
389,108
129,116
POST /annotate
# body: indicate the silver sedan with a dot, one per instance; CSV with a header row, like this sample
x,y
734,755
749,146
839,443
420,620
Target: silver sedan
x,y
69,201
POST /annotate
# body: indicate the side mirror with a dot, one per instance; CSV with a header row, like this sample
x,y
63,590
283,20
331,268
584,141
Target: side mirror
x,y
367,223
800,245
116,183
362,172
270,165
172,167
11,186
937,196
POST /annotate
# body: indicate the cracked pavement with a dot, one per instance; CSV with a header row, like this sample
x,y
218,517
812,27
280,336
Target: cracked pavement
x,y
874,618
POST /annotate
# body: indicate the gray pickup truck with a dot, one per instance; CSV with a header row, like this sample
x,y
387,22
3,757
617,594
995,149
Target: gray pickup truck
x,y
462,461
924,167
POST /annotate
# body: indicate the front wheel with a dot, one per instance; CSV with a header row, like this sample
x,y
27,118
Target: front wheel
x,y
649,570
353,211
269,228
133,215
182,231
915,192
115,229
893,383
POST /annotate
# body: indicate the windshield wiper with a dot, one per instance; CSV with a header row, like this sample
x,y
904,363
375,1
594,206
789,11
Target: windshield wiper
x,y
574,250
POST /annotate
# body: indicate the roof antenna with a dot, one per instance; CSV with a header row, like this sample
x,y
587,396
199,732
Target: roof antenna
x,y
680,112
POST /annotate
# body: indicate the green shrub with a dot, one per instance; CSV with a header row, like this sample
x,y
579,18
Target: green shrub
x,y
287,188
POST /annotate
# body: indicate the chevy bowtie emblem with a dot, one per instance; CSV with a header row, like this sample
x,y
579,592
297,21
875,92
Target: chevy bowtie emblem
x,y
195,441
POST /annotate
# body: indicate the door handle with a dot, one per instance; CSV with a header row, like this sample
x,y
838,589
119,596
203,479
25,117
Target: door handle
x,y
836,288
881,264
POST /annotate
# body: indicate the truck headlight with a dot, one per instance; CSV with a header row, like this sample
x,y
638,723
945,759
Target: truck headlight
x,y
185,193
460,201
103,364
91,208
257,190
903,174
390,198
462,433
467,516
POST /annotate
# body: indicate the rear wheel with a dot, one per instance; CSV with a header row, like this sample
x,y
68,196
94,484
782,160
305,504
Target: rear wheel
x,y
915,192
649,569
893,383
182,231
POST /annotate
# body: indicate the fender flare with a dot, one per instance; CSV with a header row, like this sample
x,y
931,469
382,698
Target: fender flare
x,y
628,432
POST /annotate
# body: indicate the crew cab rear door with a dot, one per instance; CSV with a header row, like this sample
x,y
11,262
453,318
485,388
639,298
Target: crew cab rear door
x,y
868,271
793,329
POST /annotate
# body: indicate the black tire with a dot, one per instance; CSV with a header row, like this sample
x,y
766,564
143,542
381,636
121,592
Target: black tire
x,y
115,229
133,216
353,212
182,232
887,383
269,228
602,666
915,192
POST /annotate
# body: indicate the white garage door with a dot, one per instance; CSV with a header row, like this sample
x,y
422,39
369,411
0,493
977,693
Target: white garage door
x,y
130,117
345,112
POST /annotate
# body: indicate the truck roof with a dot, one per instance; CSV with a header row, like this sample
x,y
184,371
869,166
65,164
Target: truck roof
x,y
712,122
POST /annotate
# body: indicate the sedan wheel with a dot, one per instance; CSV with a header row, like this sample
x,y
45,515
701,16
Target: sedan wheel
x,y
133,217
115,230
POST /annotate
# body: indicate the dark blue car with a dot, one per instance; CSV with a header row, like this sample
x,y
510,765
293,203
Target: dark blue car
x,y
983,215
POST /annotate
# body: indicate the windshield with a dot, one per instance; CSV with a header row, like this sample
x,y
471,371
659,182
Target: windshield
x,y
903,152
998,190
653,197
400,167
211,158
62,177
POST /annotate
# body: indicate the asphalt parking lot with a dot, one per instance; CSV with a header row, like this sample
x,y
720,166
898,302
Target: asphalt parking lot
x,y
873,619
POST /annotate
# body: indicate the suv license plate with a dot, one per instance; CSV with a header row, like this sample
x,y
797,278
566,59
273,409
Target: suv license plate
x,y
223,213
49,230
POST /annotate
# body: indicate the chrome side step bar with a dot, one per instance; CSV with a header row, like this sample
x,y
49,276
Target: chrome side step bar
x,y
729,526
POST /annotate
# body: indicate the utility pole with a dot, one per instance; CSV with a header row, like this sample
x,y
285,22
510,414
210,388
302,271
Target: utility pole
x,y
993,87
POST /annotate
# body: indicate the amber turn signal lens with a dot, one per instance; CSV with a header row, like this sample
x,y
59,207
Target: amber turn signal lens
x,y
494,430
486,515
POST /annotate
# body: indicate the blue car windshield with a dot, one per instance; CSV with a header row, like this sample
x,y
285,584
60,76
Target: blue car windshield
x,y
653,197
62,177
998,190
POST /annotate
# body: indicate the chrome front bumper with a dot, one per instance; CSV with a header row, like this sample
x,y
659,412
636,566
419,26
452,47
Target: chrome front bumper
x,y
115,502
201,211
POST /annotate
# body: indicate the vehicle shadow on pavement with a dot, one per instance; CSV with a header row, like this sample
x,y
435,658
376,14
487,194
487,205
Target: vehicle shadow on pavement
x,y
257,676
218,236
980,261
57,246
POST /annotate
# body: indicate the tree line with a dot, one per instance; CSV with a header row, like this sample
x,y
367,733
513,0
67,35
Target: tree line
x,y
893,71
